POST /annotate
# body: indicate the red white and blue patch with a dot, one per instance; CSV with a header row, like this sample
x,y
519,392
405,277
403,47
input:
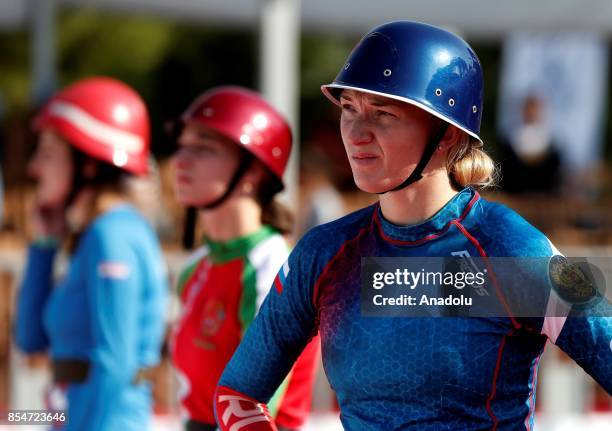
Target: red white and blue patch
x,y
281,277
113,270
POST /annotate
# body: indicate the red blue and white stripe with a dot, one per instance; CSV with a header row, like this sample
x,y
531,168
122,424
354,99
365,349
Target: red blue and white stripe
x,y
281,277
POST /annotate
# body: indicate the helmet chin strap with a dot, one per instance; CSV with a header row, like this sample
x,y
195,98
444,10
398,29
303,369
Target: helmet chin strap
x,y
245,162
428,153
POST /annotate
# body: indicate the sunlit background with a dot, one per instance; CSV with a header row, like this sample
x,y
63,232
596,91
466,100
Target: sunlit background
x,y
546,122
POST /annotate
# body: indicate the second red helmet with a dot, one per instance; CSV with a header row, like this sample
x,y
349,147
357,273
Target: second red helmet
x,y
104,118
244,117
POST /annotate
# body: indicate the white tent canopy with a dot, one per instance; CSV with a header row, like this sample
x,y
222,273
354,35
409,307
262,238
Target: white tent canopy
x,y
474,18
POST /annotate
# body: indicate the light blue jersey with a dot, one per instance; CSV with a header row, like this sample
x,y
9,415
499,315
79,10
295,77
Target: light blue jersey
x,y
108,310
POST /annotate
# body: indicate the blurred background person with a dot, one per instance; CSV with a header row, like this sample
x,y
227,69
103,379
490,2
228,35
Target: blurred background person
x,y
321,202
232,152
553,86
532,162
103,321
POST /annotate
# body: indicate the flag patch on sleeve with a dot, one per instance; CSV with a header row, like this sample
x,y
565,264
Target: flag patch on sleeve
x,y
113,270
281,277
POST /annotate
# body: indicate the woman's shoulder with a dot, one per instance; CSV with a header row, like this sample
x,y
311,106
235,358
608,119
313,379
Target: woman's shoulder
x,y
120,226
269,251
504,232
345,226
196,255
332,235
117,216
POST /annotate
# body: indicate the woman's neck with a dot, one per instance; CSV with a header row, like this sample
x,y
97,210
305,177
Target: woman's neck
x,y
89,204
234,218
107,200
419,201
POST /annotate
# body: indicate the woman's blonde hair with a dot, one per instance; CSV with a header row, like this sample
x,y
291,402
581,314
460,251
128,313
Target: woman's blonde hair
x,y
274,213
469,166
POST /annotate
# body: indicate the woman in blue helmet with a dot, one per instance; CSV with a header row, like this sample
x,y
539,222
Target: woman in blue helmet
x,y
411,104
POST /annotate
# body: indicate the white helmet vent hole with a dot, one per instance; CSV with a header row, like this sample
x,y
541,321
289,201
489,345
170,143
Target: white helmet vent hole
x,y
120,158
451,102
387,72
474,109
438,92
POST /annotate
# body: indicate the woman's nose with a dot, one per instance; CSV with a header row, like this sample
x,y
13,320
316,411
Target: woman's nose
x,y
360,132
180,158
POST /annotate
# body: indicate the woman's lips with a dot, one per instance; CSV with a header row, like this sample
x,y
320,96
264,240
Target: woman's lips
x,y
183,179
364,158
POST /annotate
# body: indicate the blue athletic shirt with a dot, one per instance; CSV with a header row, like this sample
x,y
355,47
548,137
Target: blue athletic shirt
x,y
409,373
109,309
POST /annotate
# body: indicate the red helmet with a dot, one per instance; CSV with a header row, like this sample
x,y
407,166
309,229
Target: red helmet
x,y
246,118
103,118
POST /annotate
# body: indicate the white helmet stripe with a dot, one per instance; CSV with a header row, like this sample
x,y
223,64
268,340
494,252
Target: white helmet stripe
x,y
107,135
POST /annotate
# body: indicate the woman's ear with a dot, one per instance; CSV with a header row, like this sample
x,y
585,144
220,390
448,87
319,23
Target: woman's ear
x,y
254,175
451,137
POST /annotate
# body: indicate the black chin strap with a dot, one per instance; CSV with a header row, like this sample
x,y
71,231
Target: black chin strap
x,y
428,153
245,162
189,228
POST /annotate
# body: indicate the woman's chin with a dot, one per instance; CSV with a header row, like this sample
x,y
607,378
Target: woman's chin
x,y
187,201
49,201
370,186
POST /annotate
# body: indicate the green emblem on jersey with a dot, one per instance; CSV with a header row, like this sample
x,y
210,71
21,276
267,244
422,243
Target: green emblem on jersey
x,y
570,281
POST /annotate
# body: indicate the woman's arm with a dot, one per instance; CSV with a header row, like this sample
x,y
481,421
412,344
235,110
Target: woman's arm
x,y
284,325
29,332
584,330
587,340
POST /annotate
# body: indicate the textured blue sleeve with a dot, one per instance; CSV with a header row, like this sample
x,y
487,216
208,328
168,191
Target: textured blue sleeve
x,y
30,335
113,292
588,341
282,328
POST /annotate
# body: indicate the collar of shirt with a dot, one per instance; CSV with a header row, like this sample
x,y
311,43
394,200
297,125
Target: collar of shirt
x,y
224,251
455,210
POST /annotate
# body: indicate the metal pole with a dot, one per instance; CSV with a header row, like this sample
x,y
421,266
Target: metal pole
x,y
279,74
43,49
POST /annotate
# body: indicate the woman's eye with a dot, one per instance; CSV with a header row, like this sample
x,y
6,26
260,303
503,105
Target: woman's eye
x,y
348,108
385,114
196,150
203,149
203,136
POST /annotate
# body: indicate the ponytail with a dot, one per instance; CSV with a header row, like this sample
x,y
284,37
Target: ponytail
x,y
278,216
274,213
469,166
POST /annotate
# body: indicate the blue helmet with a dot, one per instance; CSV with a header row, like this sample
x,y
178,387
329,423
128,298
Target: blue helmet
x,y
419,64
